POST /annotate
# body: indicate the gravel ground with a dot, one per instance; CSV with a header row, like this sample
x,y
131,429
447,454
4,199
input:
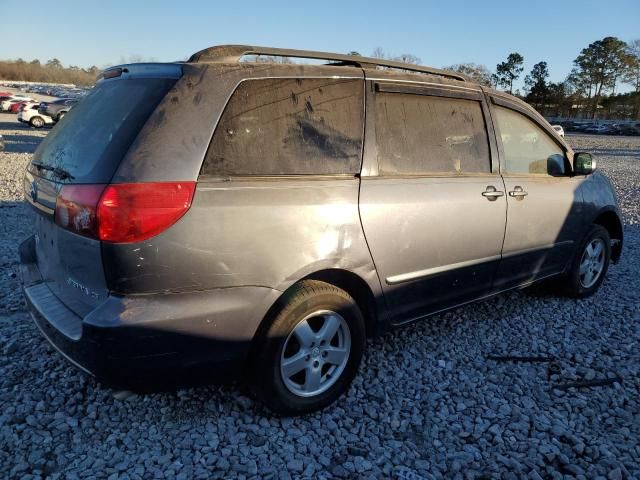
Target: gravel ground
x,y
427,402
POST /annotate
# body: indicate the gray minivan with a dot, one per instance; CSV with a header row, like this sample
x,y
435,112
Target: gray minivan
x,y
260,219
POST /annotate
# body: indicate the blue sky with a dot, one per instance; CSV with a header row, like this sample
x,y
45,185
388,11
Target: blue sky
x,y
439,32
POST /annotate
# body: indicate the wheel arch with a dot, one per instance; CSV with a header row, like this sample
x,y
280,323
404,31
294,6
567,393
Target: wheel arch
x,y
346,280
358,288
610,221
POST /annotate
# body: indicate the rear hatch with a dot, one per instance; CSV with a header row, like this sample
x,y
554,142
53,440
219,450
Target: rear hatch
x,y
74,164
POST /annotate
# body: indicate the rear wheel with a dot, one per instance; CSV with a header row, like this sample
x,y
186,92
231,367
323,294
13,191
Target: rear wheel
x,y
590,263
60,116
311,350
37,122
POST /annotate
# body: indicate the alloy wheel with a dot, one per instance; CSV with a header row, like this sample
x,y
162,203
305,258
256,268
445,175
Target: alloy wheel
x,y
592,263
315,353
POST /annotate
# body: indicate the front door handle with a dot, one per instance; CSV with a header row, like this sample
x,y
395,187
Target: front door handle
x,y
518,193
492,193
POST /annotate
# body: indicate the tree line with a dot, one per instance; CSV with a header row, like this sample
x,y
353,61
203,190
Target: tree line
x,y
50,72
591,90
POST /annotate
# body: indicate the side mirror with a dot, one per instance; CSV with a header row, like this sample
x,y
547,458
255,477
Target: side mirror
x,y
584,163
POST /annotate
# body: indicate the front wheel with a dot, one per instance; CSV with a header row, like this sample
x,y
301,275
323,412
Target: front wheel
x,y
590,263
311,351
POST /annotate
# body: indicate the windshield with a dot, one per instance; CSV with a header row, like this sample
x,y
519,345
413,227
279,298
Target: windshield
x,y
96,133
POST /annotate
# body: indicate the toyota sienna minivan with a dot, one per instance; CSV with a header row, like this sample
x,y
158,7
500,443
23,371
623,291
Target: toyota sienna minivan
x,y
262,220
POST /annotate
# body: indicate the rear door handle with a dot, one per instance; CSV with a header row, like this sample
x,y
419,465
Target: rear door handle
x,y
518,192
492,193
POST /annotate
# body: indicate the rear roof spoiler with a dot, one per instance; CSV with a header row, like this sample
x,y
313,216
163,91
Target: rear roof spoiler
x,y
138,70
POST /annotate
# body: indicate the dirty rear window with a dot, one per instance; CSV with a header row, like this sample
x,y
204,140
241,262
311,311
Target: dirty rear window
x,y
421,135
289,127
90,141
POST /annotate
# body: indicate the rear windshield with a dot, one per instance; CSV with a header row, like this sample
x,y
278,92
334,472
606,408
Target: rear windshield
x,y
89,143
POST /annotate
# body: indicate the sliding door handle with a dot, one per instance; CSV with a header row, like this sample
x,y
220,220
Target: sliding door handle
x,y
492,194
518,193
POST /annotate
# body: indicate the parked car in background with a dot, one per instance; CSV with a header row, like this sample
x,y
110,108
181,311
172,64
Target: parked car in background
x,y
582,126
569,126
58,108
12,105
632,128
559,129
598,129
8,104
234,220
15,107
5,105
30,114
5,98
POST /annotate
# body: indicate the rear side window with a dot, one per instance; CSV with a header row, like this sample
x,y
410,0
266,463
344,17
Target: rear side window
x,y
419,134
91,140
289,127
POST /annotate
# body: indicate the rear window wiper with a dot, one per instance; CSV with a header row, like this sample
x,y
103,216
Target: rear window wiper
x,y
61,173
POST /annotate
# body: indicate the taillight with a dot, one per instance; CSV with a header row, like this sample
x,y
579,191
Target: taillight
x,y
125,212
76,208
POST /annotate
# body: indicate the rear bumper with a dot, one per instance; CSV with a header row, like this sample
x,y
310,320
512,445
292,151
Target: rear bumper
x,y
146,341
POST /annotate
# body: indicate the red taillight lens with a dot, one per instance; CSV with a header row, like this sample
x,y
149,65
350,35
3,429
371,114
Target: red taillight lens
x,y
76,208
132,212
125,212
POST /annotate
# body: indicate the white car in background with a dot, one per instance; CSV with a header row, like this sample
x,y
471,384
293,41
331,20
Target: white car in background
x,y
29,114
559,129
5,104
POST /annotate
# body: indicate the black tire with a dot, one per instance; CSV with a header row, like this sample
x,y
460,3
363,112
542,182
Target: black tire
x,y
60,116
301,300
573,284
37,122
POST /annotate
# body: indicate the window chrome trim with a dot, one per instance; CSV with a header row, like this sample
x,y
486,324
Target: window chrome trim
x,y
428,90
423,83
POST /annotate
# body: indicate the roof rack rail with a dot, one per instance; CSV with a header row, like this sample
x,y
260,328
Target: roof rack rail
x,y
233,53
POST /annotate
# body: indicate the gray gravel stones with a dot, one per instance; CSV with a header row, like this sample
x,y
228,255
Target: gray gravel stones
x,y
427,404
